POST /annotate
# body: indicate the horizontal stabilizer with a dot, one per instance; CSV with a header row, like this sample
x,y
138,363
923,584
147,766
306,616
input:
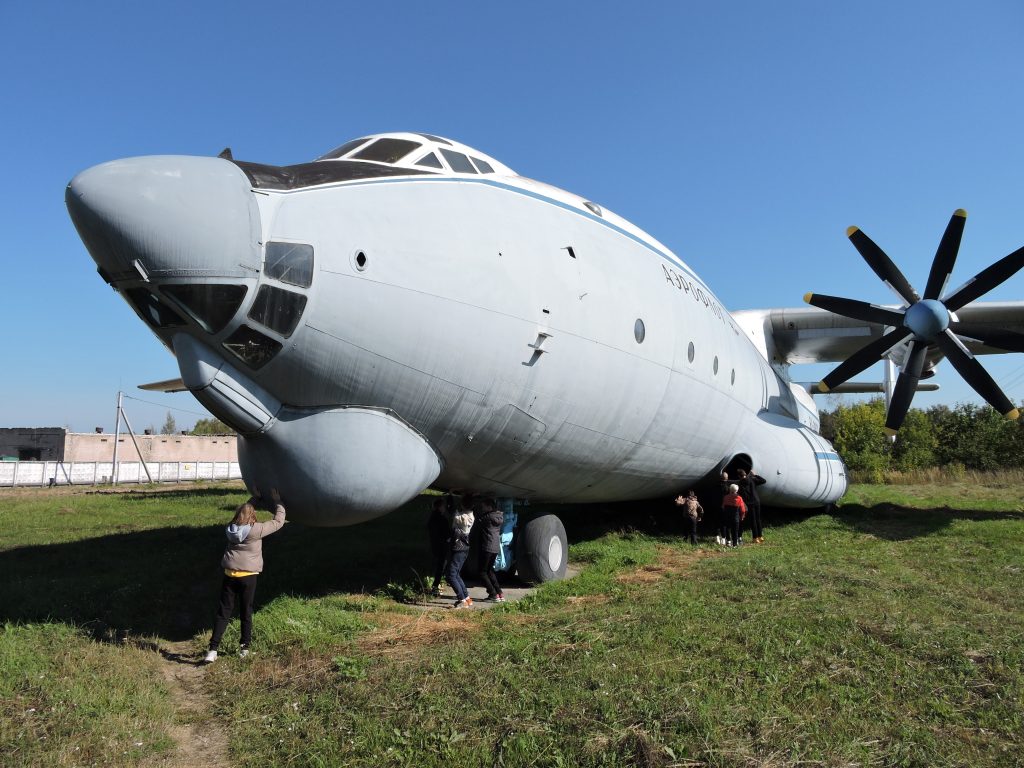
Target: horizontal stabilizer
x,y
171,385
861,387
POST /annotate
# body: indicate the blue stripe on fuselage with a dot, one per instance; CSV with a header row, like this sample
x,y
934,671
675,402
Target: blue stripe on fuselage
x,y
537,196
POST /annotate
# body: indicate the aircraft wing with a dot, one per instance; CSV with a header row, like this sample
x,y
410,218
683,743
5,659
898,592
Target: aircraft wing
x,y
801,335
170,385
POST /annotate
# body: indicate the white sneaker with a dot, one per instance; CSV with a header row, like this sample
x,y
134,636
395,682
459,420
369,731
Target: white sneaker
x,y
243,653
210,657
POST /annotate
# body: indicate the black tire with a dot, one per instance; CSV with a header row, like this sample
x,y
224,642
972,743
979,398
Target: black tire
x,y
543,550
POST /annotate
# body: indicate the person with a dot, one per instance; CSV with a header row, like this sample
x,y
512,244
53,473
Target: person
x,y
242,563
754,506
490,521
736,510
458,551
694,512
438,527
723,517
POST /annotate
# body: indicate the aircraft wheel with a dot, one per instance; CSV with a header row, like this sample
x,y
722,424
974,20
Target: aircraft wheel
x,y
543,550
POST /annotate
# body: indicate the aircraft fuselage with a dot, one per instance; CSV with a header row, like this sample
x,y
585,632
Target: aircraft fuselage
x,y
482,332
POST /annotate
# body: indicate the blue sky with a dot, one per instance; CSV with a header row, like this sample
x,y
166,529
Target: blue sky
x,y
744,136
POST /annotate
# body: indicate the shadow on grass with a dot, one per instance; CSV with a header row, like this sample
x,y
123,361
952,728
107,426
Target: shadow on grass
x,y
164,582
893,522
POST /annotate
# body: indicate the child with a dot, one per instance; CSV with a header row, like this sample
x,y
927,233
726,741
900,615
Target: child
x,y
242,563
694,512
735,510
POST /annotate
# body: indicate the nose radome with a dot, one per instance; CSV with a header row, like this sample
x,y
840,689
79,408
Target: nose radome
x,y
178,216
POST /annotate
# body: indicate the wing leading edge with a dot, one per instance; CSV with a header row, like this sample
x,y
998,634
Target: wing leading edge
x,y
800,335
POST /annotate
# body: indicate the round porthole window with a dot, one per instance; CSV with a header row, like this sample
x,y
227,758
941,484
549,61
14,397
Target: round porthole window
x,y
639,331
689,352
361,261
714,365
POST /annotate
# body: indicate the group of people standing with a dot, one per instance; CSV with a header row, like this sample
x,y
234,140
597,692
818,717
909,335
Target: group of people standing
x,y
740,503
452,528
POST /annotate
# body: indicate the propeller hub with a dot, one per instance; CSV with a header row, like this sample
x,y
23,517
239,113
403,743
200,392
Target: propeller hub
x,y
927,318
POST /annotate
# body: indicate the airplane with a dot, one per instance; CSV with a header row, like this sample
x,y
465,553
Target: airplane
x,y
406,312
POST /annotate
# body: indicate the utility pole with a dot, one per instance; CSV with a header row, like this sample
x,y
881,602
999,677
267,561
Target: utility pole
x,y
117,433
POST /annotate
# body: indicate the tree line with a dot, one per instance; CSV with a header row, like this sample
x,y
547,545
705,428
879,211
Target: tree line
x,y
965,436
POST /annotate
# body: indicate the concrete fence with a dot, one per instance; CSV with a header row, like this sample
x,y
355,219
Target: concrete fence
x,y
44,473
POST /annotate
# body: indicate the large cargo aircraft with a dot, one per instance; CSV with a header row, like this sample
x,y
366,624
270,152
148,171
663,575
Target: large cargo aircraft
x,y
406,312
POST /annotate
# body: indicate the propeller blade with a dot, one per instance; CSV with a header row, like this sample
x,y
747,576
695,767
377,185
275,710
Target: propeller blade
x,y
985,281
858,310
945,255
882,265
863,358
993,337
974,374
906,386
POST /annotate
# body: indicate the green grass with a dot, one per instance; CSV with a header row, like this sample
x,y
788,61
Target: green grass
x,y
886,633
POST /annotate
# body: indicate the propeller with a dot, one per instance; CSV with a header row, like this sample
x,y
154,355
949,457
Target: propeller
x,y
926,321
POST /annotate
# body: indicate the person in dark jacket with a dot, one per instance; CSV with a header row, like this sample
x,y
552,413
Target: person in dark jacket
x,y
439,526
242,564
458,551
748,483
724,522
490,520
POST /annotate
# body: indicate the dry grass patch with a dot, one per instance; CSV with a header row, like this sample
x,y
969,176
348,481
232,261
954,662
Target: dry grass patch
x,y
296,669
670,562
585,601
399,634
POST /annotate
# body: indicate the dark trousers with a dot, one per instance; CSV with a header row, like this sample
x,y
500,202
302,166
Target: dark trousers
x,y
691,525
458,559
725,523
245,589
734,523
487,574
754,518
440,564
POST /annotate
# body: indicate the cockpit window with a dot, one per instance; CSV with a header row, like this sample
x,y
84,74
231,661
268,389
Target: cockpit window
x,y
481,165
344,149
289,263
458,161
152,310
251,346
277,309
209,305
430,161
387,150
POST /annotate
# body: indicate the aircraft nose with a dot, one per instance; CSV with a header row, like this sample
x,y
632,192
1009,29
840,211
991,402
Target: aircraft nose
x,y
167,216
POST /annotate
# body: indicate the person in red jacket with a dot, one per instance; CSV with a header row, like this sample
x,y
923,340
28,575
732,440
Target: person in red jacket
x,y
735,510
242,564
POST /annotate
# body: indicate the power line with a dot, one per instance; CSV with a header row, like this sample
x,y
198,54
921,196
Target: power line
x,y
168,407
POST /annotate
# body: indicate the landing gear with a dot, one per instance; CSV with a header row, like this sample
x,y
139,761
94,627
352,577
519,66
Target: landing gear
x,y
543,550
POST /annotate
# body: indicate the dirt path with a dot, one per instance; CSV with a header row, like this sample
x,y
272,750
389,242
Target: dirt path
x,y
200,739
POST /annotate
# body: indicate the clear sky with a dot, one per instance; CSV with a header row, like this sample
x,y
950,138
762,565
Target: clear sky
x,y
746,136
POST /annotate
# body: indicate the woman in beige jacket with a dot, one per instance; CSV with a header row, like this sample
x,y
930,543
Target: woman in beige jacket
x,y
242,563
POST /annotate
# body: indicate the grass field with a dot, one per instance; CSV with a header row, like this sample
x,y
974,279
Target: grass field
x,y
889,632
